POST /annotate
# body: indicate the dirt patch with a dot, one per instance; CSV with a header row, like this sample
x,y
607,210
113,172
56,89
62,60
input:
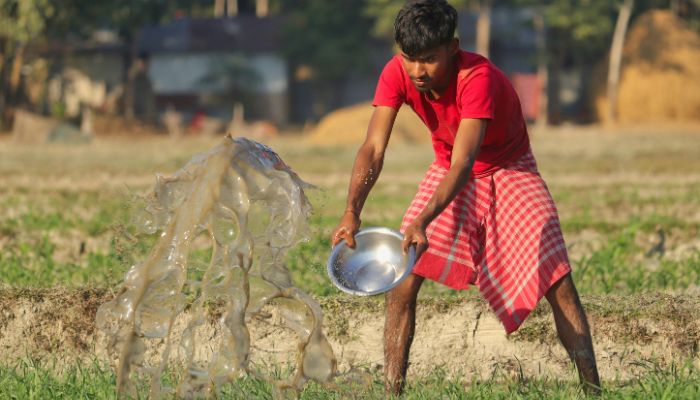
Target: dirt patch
x,y
459,335
349,126
56,322
660,72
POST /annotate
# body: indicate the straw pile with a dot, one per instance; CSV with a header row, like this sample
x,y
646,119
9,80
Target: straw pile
x,y
348,126
660,73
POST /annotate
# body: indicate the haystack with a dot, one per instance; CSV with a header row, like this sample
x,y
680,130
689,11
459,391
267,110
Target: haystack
x,y
660,73
349,126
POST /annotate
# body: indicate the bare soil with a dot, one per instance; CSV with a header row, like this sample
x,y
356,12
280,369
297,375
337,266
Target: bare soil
x,y
462,337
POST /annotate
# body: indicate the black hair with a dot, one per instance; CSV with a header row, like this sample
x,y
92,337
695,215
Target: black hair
x,y
423,25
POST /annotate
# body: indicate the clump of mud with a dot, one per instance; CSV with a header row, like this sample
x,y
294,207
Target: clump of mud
x,y
252,207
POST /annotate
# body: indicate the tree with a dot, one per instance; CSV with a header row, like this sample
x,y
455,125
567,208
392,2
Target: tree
x,y
328,39
616,58
21,23
80,18
573,33
483,28
542,70
383,13
577,32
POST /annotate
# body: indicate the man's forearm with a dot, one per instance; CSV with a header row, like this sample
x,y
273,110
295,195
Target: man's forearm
x,y
467,143
446,191
369,159
365,171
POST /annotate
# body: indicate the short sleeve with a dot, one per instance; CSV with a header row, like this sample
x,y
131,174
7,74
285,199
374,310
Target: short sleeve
x,y
476,94
391,89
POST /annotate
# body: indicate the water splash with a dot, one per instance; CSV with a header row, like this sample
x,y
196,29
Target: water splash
x,y
253,208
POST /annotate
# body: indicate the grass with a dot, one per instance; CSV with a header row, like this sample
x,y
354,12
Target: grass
x,y
618,266
77,233
29,379
65,223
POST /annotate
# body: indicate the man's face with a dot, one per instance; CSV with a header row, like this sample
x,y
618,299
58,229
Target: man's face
x,y
431,69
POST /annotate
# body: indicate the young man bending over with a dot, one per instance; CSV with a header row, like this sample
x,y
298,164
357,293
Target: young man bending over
x,y
482,215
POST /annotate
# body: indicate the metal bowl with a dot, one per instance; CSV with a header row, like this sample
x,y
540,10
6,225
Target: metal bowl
x,y
374,266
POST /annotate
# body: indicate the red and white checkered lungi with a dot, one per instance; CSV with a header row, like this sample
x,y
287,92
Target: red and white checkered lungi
x,y
501,233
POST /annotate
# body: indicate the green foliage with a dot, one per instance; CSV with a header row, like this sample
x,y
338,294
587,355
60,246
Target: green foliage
x,y
23,20
329,37
28,20
383,12
583,20
577,30
79,18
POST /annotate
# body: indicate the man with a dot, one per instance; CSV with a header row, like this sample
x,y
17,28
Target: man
x,y
483,215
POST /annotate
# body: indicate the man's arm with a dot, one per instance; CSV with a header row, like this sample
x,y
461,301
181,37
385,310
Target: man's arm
x,y
470,133
365,171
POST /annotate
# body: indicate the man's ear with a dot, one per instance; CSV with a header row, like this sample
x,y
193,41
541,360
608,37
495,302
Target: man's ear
x,y
453,46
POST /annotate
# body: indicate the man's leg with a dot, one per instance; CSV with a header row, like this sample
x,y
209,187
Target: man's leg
x,y
399,325
574,332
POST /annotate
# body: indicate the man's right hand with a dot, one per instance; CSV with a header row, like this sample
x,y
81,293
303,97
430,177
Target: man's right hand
x,y
346,230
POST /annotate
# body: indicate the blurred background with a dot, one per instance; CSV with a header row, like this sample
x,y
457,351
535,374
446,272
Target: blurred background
x,y
70,69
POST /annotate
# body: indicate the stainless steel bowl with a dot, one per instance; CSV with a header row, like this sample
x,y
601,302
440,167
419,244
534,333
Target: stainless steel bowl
x,y
374,266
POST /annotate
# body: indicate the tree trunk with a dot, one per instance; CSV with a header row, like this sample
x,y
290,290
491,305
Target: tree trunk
x,y
556,64
16,73
218,8
616,59
262,8
11,96
2,62
231,8
483,28
130,66
3,87
542,71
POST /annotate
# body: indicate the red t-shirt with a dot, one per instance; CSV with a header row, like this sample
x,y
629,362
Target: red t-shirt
x,y
480,91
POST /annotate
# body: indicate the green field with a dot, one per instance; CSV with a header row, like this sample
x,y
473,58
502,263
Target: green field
x,y
28,380
629,205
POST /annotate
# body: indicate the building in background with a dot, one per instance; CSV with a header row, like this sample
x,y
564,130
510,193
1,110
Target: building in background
x,y
207,65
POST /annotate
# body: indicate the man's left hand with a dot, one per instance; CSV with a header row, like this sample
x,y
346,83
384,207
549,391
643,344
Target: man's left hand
x,y
415,236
